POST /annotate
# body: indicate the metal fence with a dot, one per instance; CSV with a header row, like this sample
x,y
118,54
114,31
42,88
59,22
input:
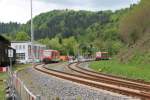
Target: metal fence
x,y
22,90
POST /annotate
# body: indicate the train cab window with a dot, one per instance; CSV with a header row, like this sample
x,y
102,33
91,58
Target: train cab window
x,y
47,53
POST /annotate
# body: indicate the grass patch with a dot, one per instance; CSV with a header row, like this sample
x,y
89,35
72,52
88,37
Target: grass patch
x,y
113,67
2,93
21,66
3,76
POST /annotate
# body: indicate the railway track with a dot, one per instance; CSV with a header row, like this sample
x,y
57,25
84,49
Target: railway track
x,y
90,82
109,79
135,80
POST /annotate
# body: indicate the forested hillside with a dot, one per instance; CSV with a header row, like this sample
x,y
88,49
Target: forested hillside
x,y
72,32
9,28
78,31
68,22
134,30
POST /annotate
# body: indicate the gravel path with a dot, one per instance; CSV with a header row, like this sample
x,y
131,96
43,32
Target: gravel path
x,y
64,67
86,65
51,87
58,66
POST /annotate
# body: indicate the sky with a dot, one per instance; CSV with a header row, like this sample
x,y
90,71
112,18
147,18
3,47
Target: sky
x,y
19,10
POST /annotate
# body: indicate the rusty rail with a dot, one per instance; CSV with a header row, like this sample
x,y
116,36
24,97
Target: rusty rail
x,y
111,80
119,77
82,80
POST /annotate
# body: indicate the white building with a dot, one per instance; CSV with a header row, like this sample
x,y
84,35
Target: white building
x,y
24,54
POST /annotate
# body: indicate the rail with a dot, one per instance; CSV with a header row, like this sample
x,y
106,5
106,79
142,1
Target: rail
x,y
124,78
82,80
111,80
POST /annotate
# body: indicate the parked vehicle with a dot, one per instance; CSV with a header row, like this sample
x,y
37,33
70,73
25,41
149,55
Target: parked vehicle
x,y
102,56
64,58
81,58
51,56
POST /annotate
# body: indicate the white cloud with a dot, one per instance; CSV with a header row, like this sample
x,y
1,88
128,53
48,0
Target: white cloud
x,y
19,10
12,10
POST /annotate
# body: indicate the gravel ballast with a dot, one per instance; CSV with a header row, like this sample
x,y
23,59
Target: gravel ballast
x,y
50,88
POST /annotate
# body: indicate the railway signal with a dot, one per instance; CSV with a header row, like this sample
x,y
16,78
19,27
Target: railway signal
x,y
10,53
10,73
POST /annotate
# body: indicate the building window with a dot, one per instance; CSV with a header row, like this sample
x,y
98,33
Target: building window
x,y
20,56
20,47
23,46
29,51
16,47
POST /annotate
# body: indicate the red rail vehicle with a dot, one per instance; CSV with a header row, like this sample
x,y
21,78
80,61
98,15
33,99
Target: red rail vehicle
x,y
102,56
51,56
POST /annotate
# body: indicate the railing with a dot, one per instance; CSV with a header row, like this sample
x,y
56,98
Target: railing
x,y
22,90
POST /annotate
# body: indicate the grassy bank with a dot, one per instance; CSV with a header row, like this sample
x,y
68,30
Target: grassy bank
x,y
3,76
126,70
21,66
2,93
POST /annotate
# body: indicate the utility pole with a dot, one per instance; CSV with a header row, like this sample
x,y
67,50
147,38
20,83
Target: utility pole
x,y
32,34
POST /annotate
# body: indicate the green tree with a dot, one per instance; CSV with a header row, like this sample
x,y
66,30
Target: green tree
x,y
55,44
8,36
135,23
44,41
70,45
22,36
